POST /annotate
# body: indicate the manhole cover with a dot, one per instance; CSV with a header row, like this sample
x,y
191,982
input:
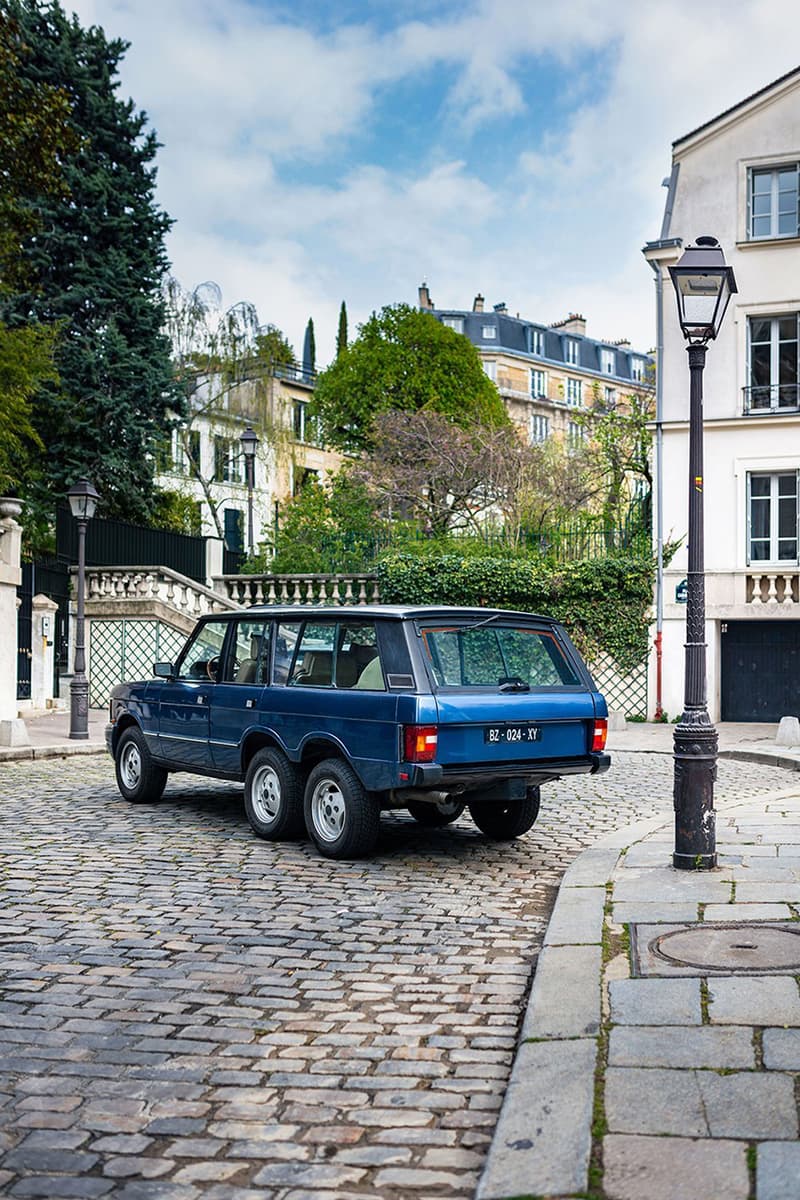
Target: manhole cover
x,y
729,949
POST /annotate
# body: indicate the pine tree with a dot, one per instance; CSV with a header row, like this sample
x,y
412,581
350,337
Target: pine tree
x,y
95,265
341,336
309,347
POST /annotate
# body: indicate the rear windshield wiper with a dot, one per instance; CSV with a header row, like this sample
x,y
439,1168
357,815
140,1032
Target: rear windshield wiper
x,y
513,683
480,624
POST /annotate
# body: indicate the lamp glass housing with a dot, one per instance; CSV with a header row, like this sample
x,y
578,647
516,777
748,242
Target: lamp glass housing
x,y
249,441
703,285
83,499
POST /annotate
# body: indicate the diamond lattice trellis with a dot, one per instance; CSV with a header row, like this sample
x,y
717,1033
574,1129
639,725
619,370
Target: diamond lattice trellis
x,y
127,649
624,692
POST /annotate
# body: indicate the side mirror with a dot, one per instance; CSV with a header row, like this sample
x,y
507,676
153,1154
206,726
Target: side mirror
x,y
164,670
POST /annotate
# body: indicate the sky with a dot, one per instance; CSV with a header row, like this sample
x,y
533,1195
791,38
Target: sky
x,y
314,152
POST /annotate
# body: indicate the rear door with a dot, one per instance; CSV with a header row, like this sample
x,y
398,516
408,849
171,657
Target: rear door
x,y
507,692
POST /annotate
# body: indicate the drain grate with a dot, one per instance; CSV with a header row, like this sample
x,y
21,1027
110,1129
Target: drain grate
x,y
706,948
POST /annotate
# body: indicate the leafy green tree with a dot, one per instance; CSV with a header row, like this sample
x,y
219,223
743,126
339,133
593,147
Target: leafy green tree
x,y
272,349
326,528
26,360
94,265
341,335
619,457
407,360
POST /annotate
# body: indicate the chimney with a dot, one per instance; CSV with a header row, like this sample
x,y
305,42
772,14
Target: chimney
x,y
425,296
623,344
574,323
501,308
477,303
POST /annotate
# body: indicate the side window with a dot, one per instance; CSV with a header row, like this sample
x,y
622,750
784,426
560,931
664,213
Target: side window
x,y
201,657
358,662
248,654
313,662
286,636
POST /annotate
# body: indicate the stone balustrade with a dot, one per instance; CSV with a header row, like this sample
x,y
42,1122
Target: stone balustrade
x,y
125,585
773,587
357,588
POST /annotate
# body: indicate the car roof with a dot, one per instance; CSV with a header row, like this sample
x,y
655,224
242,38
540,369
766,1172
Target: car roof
x,y
393,611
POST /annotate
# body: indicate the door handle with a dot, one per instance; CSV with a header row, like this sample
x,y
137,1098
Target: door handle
x,y
202,699
250,703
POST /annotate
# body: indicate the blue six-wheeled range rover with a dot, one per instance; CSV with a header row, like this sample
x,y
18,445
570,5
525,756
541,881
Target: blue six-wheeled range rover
x,y
329,715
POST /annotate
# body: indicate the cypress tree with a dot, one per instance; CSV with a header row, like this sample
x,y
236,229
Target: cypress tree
x,y
95,264
309,347
341,336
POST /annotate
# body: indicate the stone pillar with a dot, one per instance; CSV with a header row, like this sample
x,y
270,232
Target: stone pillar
x,y
42,641
12,729
214,548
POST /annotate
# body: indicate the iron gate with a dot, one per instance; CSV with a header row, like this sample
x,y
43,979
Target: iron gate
x,y
49,578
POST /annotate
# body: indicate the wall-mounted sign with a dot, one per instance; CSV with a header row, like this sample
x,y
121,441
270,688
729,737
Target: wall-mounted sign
x,y
682,592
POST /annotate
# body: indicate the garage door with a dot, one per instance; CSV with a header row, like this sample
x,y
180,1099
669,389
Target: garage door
x,y
760,670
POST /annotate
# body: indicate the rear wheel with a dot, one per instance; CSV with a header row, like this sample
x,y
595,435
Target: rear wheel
x,y
505,820
138,778
272,796
341,817
436,816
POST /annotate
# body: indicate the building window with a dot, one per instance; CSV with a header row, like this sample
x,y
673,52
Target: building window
x,y
610,397
187,451
489,333
571,351
774,202
227,461
576,434
637,370
539,383
574,392
234,529
608,362
537,342
304,426
456,323
540,429
772,517
773,367
490,369
303,476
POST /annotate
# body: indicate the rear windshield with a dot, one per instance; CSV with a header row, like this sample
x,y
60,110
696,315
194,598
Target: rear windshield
x,y
493,655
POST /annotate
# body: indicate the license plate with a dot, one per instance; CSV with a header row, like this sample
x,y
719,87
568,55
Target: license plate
x,y
510,735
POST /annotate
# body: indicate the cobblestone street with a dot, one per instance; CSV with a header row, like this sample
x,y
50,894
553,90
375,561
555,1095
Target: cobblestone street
x,y
186,1011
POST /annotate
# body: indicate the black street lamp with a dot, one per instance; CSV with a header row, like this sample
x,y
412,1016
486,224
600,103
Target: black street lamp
x,y
703,285
82,502
249,442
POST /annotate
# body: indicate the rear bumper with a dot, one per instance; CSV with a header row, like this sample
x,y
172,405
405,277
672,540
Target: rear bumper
x,y
432,775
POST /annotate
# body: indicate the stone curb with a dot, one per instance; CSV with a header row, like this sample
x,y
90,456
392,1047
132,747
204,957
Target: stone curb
x,y
542,1142
34,753
764,757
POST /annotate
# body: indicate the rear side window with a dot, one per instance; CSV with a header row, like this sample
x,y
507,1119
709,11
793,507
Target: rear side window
x,y
493,655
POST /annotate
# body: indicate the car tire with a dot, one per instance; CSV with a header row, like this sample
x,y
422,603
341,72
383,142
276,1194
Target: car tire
x,y
273,798
436,816
342,819
502,821
138,778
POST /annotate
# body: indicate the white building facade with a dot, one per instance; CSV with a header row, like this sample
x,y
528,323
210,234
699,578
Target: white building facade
x,y
737,178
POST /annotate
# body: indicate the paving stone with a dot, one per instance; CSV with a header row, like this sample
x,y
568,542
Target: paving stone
x,y
654,1101
753,1000
577,917
749,1105
655,1001
313,1175
647,912
782,1049
565,998
747,912
684,1046
543,1138
673,1168
778,1171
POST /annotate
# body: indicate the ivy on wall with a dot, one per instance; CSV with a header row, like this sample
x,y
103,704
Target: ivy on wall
x,y
604,603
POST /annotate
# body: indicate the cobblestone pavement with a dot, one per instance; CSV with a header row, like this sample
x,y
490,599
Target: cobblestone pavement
x,y
186,1011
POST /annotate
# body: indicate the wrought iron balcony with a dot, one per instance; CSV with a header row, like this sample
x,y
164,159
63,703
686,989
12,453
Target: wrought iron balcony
x,y
771,398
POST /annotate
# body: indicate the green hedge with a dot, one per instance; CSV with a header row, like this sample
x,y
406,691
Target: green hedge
x,y
604,603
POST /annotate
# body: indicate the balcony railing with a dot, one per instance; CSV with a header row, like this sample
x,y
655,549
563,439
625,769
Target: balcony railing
x,y
773,587
772,398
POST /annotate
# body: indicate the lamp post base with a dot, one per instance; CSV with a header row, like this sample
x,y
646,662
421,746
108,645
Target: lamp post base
x,y
695,743
79,708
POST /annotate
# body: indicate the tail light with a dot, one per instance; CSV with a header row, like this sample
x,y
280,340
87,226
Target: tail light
x,y
600,734
419,743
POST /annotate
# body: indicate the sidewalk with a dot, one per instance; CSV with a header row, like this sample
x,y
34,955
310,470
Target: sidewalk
x,y
49,737
660,1054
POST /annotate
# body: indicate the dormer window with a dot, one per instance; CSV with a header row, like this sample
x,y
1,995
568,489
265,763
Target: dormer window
x,y
537,342
456,323
488,333
571,351
608,362
637,370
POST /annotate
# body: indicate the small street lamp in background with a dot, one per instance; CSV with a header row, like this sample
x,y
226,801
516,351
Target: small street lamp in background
x,y
82,502
703,285
250,443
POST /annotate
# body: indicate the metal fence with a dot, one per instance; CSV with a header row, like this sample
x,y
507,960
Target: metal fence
x,y
109,543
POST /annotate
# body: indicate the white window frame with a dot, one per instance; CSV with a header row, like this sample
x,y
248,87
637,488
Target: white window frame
x,y
455,323
773,560
537,342
538,382
489,333
574,392
610,396
608,361
576,433
539,430
774,363
490,369
637,369
572,351
773,170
